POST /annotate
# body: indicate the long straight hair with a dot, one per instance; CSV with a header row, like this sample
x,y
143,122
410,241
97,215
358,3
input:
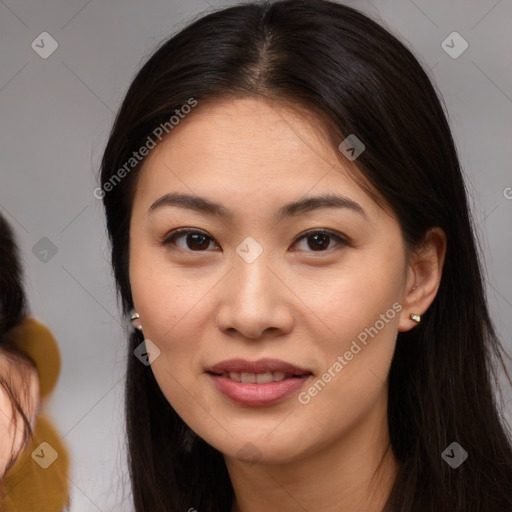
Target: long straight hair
x,y
358,79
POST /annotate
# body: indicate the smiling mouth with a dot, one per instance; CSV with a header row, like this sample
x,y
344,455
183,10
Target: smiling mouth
x,y
258,389
260,383
258,378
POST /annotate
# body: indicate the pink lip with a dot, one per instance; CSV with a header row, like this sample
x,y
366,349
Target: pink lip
x,y
257,394
259,366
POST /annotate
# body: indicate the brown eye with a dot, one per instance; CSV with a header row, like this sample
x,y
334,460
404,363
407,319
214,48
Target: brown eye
x,y
197,241
316,242
188,239
320,241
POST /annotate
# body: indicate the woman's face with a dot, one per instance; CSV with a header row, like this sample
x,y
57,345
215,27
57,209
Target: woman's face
x,y
250,283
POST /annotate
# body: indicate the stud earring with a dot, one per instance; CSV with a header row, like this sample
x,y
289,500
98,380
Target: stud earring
x,y
134,316
415,317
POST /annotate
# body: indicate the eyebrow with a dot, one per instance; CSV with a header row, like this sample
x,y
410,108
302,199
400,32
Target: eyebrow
x,y
306,204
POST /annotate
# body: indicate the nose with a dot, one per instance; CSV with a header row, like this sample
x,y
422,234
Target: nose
x,y
255,302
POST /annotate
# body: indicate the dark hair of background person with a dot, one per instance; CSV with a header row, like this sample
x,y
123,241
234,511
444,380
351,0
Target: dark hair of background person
x,y
13,310
358,79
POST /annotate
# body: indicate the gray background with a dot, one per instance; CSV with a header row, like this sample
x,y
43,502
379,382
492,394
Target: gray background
x,y
56,116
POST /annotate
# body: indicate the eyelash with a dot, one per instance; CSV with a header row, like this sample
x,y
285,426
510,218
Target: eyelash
x,y
179,233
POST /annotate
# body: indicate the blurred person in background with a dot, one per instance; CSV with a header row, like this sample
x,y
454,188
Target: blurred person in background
x,y
31,477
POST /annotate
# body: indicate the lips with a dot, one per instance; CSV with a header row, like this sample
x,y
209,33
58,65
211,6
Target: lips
x,y
257,367
257,383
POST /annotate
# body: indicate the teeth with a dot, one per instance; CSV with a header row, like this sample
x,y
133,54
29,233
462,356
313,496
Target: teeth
x,y
264,378
277,376
257,378
234,376
248,378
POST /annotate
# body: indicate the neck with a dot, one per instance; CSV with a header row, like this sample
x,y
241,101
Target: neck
x,y
354,474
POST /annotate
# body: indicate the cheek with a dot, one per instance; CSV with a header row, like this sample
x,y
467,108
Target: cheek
x,y
169,319
353,299
165,296
168,307
353,381
356,318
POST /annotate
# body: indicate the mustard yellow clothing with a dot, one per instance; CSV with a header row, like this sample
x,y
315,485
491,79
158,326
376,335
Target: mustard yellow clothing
x,y
38,481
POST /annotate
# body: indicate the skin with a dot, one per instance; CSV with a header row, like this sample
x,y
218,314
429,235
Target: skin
x,y
202,304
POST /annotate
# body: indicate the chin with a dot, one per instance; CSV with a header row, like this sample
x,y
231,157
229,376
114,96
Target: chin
x,y
259,449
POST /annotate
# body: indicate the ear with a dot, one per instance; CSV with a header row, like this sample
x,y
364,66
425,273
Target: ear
x,y
423,276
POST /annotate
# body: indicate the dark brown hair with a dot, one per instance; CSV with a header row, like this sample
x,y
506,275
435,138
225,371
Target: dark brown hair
x,y
358,79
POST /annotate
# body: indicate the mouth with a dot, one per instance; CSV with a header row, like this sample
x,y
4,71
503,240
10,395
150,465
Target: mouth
x,y
257,378
258,383
247,369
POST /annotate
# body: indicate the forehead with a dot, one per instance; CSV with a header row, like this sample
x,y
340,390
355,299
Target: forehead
x,y
246,151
